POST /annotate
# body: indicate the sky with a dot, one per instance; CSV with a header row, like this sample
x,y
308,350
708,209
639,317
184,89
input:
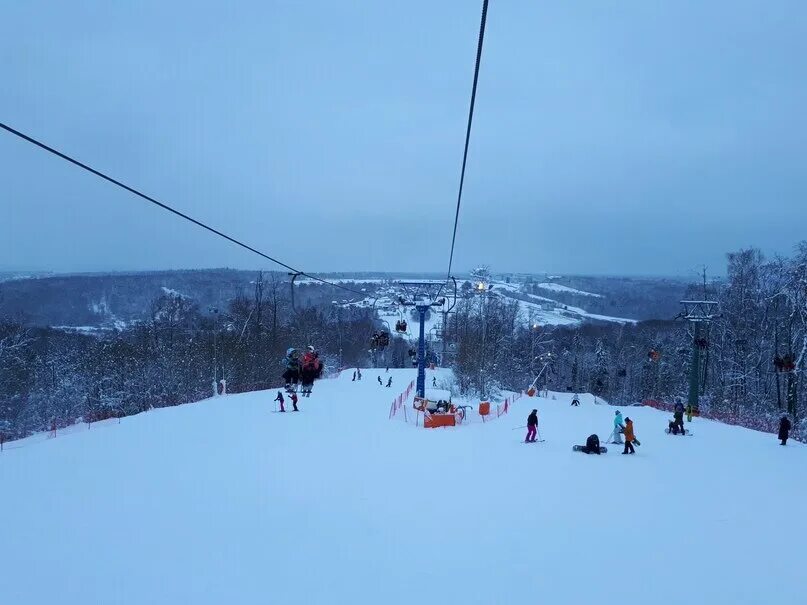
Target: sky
x,y
632,137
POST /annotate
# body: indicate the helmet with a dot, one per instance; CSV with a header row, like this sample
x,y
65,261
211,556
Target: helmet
x,y
289,351
310,348
628,420
535,411
617,412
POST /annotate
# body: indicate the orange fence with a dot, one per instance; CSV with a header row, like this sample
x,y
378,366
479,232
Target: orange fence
x,y
460,414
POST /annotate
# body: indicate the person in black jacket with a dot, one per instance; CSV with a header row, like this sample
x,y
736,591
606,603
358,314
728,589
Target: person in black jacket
x,y
592,445
532,427
784,429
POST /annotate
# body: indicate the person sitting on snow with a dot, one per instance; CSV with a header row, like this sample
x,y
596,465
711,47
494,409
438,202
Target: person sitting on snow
x,y
592,445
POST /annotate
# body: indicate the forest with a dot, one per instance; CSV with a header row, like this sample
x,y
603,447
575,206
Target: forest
x,y
753,352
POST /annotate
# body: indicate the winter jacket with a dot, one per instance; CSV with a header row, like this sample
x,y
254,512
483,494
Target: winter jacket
x,y
618,422
292,363
784,428
629,436
310,362
532,419
678,415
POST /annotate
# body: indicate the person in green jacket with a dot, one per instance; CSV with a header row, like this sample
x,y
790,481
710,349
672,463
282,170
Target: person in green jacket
x,y
689,412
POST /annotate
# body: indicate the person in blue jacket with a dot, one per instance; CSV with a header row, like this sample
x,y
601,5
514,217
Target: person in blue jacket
x,y
619,426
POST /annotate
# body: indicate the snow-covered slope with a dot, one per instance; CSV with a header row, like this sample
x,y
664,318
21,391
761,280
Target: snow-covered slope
x,y
224,501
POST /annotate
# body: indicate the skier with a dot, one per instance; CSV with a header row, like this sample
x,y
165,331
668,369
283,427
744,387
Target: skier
x,y
292,372
294,401
379,381
784,429
629,437
619,427
311,370
389,382
354,377
358,374
532,427
280,399
434,381
678,419
576,401
689,412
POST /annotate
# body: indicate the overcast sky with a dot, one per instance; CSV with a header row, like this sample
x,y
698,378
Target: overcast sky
x,y
622,137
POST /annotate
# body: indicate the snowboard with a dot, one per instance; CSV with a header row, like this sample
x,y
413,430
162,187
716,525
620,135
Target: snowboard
x,y
579,448
686,432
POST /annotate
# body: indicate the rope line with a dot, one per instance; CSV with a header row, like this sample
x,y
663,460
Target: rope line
x,y
468,134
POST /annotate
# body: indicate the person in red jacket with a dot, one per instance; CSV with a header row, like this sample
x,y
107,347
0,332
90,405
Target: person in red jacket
x,y
293,397
629,437
311,370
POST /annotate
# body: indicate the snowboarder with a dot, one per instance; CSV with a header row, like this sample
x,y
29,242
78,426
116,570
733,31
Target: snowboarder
x,y
294,401
629,437
310,371
281,400
532,427
379,381
619,427
576,401
674,429
358,374
389,382
592,446
678,419
291,374
434,381
689,412
354,376
784,429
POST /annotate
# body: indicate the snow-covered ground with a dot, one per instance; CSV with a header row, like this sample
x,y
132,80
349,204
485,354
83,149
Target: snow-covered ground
x,y
225,501
553,287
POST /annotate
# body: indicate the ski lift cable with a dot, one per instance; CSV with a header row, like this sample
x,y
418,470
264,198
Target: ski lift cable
x,y
482,23
170,209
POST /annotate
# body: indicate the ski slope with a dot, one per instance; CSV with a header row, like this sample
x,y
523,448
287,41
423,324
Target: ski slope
x,y
225,501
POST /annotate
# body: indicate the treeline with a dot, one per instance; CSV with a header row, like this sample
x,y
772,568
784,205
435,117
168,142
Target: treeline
x,y
752,357
55,377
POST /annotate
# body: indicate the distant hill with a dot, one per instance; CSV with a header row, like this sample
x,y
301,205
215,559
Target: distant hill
x,y
115,299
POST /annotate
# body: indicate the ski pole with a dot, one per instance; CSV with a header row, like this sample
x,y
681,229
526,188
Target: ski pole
x,y
518,427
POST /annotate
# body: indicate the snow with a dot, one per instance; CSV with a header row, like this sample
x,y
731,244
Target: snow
x,y
172,293
566,289
437,394
224,501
